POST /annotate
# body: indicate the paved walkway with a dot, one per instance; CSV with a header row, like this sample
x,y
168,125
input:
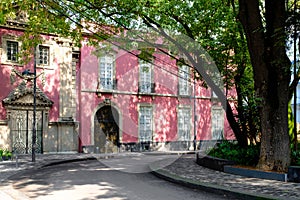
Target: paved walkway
x,y
184,171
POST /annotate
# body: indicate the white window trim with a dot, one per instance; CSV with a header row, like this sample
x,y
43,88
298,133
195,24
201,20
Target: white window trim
x,y
51,56
113,71
220,122
182,81
188,138
141,76
152,122
4,50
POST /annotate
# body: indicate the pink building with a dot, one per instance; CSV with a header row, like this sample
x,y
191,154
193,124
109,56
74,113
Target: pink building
x,y
102,99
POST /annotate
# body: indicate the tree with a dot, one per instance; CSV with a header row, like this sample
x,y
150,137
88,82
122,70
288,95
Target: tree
x,y
267,47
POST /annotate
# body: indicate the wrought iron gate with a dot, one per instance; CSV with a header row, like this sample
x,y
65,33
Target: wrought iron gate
x,y
22,128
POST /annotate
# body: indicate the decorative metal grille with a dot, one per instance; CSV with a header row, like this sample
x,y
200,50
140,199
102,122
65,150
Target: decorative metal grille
x,y
22,124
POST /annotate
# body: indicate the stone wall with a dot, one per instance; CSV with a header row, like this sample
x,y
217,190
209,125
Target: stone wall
x,y
62,137
4,136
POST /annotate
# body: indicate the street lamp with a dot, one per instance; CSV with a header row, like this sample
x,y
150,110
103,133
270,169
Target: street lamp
x,y
27,72
34,109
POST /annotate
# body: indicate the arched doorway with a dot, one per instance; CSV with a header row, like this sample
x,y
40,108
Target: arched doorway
x,y
106,133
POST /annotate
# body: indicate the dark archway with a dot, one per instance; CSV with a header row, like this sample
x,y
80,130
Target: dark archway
x,y
106,129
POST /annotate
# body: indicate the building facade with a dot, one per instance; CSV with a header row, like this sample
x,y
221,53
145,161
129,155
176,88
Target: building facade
x,y
102,99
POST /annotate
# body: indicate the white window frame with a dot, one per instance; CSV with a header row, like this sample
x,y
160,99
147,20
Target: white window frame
x,y
50,55
38,55
14,50
145,76
107,71
184,76
4,58
184,124
217,122
145,123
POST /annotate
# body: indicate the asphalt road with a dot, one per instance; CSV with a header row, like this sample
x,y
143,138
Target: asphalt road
x,y
88,180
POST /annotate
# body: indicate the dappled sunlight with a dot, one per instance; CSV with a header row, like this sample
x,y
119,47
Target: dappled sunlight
x,y
47,183
140,164
72,170
104,169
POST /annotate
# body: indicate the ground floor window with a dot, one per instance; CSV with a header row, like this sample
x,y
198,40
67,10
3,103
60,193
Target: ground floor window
x,y
184,124
145,123
217,122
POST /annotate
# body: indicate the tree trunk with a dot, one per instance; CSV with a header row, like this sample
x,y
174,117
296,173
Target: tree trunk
x,y
272,76
240,136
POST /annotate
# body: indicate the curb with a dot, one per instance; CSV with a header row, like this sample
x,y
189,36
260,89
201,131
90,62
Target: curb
x,y
211,188
66,161
168,152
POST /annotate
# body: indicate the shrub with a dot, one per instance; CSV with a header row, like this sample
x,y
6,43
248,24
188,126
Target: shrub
x,y
232,151
295,158
5,154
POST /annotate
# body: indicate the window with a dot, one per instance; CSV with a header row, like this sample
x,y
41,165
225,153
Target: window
x,y
43,55
107,72
145,123
184,124
217,122
184,75
145,78
12,50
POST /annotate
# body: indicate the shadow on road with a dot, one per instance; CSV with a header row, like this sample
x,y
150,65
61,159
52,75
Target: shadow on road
x,y
78,180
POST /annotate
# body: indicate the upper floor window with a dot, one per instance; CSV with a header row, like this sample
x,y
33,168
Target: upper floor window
x,y
106,72
145,123
43,55
145,77
184,124
184,76
12,50
217,122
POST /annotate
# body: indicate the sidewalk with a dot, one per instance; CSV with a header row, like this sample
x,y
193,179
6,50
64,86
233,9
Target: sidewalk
x,y
187,172
184,171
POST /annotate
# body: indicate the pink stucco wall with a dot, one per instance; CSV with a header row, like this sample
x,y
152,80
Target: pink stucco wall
x,y
126,100
51,86
164,105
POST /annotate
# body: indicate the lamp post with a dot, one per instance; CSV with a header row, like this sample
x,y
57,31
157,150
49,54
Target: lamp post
x,y
34,109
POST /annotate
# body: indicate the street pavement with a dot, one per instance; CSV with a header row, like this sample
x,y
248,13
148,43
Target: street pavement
x,y
173,167
91,180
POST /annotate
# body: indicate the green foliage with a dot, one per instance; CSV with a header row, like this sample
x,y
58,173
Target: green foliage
x,y
5,154
232,151
146,54
291,123
295,157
